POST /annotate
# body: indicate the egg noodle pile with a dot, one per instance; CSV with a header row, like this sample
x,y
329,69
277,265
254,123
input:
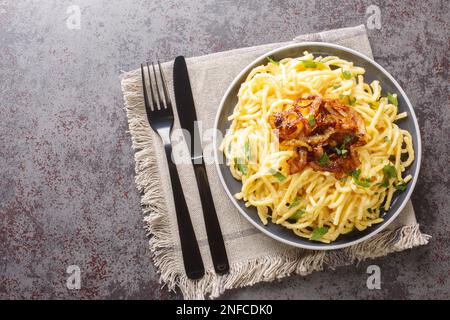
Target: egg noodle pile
x,y
316,204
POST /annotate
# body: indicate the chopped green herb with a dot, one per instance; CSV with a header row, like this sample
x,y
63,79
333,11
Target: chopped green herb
x,y
294,203
389,172
324,159
297,215
318,233
336,86
392,99
241,166
363,183
272,60
343,179
309,63
392,158
401,186
277,175
341,152
346,74
311,120
247,151
385,139
369,210
347,139
351,100
356,174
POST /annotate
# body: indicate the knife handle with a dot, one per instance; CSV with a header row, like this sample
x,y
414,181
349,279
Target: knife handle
x,y
215,239
192,259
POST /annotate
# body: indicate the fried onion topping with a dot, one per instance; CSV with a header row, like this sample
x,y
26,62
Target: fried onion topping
x,y
323,133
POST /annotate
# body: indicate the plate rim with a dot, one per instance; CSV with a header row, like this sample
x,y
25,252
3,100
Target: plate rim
x,y
412,114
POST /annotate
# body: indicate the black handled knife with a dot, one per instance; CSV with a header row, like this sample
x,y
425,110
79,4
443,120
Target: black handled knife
x,y
188,120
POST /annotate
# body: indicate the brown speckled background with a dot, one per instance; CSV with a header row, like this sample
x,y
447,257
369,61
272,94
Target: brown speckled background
x,y
67,194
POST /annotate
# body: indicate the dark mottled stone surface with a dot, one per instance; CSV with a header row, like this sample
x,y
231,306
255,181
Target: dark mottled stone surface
x,y
67,194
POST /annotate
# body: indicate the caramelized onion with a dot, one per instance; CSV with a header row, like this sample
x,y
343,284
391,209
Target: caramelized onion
x,y
299,161
332,129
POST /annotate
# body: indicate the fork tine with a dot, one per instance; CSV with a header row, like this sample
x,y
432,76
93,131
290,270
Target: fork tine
x,y
166,94
155,106
144,88
161,103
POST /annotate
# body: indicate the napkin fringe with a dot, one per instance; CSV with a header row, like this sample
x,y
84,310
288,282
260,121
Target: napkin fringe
x,y
243,273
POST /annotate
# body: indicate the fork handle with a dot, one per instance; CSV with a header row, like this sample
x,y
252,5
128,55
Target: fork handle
x,y
193,263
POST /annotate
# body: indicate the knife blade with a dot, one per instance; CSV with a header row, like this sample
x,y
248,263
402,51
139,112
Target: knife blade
x,y
188,121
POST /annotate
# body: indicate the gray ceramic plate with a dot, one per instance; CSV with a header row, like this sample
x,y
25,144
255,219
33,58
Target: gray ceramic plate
x,y
373,72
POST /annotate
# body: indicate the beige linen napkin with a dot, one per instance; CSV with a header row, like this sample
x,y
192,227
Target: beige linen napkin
x,y
253,256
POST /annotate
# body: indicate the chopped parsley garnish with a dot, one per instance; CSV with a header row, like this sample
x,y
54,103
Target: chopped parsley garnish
x,y
318,233
392,158
369,210
295,202
356,173
277,175
336,86
346,74
343,179
241,166
386,139
389,172
351,100
311,120
341,152
324,159
401,186
297,215
247,151
347,139
272,60
392,99
309,63
363,183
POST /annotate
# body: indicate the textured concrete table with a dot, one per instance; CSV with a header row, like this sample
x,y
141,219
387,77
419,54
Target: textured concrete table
x,y
67,195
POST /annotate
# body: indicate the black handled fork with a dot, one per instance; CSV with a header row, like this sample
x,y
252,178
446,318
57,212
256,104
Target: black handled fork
x,y
160,117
